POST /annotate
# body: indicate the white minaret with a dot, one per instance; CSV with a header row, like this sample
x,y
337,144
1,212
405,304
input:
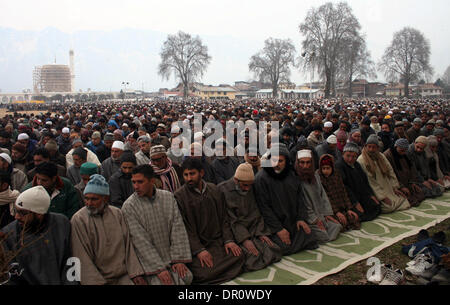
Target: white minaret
x,y
72,72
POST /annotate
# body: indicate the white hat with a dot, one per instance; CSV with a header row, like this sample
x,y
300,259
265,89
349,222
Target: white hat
x,y
332,139
23,136
118,145
49,123
124,125
35,199
65,130
305,153
328,124
6,157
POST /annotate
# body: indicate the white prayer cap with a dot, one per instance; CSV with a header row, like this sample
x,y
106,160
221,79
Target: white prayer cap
x,y
305,153
328,124
124,125
65,130
6,157
332,139
35,199
23,136
118,145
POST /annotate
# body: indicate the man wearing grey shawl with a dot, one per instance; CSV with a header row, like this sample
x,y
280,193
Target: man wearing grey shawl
x,y
319,212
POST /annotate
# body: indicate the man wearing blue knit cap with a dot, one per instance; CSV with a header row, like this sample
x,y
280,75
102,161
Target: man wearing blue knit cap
x,y
101,240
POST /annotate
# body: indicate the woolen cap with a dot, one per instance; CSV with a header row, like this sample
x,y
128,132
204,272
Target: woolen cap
x,y
88,168
244,172
108,137
351,147
422,139
157,149
97,185
402,143
96,135
35,199
372,139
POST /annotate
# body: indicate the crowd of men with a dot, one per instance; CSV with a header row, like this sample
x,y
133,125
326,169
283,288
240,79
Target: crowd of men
x,y
112,185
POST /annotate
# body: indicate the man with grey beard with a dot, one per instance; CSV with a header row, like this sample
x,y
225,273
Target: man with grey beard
x,y
246,222
101,240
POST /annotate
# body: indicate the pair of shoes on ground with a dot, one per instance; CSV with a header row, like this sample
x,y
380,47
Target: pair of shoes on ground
x,y
422,265
438,237
388,275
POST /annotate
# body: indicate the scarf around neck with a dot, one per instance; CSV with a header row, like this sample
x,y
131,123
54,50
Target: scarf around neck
x,y
169,184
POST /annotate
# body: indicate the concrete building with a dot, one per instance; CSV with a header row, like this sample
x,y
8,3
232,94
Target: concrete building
x,y
54,77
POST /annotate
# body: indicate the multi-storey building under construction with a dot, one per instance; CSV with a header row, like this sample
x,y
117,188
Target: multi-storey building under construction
x,y
54,77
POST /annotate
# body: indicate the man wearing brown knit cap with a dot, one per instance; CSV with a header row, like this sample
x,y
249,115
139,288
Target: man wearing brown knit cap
x,y
246,221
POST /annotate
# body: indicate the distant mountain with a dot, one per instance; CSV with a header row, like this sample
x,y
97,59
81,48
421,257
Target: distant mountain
x,y
104,59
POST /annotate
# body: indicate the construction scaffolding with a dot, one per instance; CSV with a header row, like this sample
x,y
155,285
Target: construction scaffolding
x,y
52,78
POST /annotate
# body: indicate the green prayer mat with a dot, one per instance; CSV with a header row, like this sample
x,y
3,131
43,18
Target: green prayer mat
x,y
307,267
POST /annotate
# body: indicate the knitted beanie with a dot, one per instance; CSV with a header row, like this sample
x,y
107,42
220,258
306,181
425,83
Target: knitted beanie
x,y
88,168
244,172
402,143
97,185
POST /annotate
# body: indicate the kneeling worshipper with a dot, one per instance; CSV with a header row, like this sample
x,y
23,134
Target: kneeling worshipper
x,y
216,258
101,240
320,214
246,221
382,178
40,239
281,203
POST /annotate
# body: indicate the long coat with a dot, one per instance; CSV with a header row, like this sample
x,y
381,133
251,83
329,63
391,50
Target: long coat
x,y
103,245
358,189
383,187
208,227
406,174
281,203
248,224
45,256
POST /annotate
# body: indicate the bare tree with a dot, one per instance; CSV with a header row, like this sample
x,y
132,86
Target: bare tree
x,y
184,56
446,77
355,61
407,58
326,29
273,62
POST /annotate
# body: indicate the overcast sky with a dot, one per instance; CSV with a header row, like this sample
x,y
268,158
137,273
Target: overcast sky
x,y
250,19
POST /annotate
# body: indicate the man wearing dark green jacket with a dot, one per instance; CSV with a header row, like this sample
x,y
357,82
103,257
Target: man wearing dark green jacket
x,y
64,197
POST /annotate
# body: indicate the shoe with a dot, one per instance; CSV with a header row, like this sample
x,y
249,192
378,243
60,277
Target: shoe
x,y
442,277
383,270
430,272
416,259
393,277
422,235
439,237
420,264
